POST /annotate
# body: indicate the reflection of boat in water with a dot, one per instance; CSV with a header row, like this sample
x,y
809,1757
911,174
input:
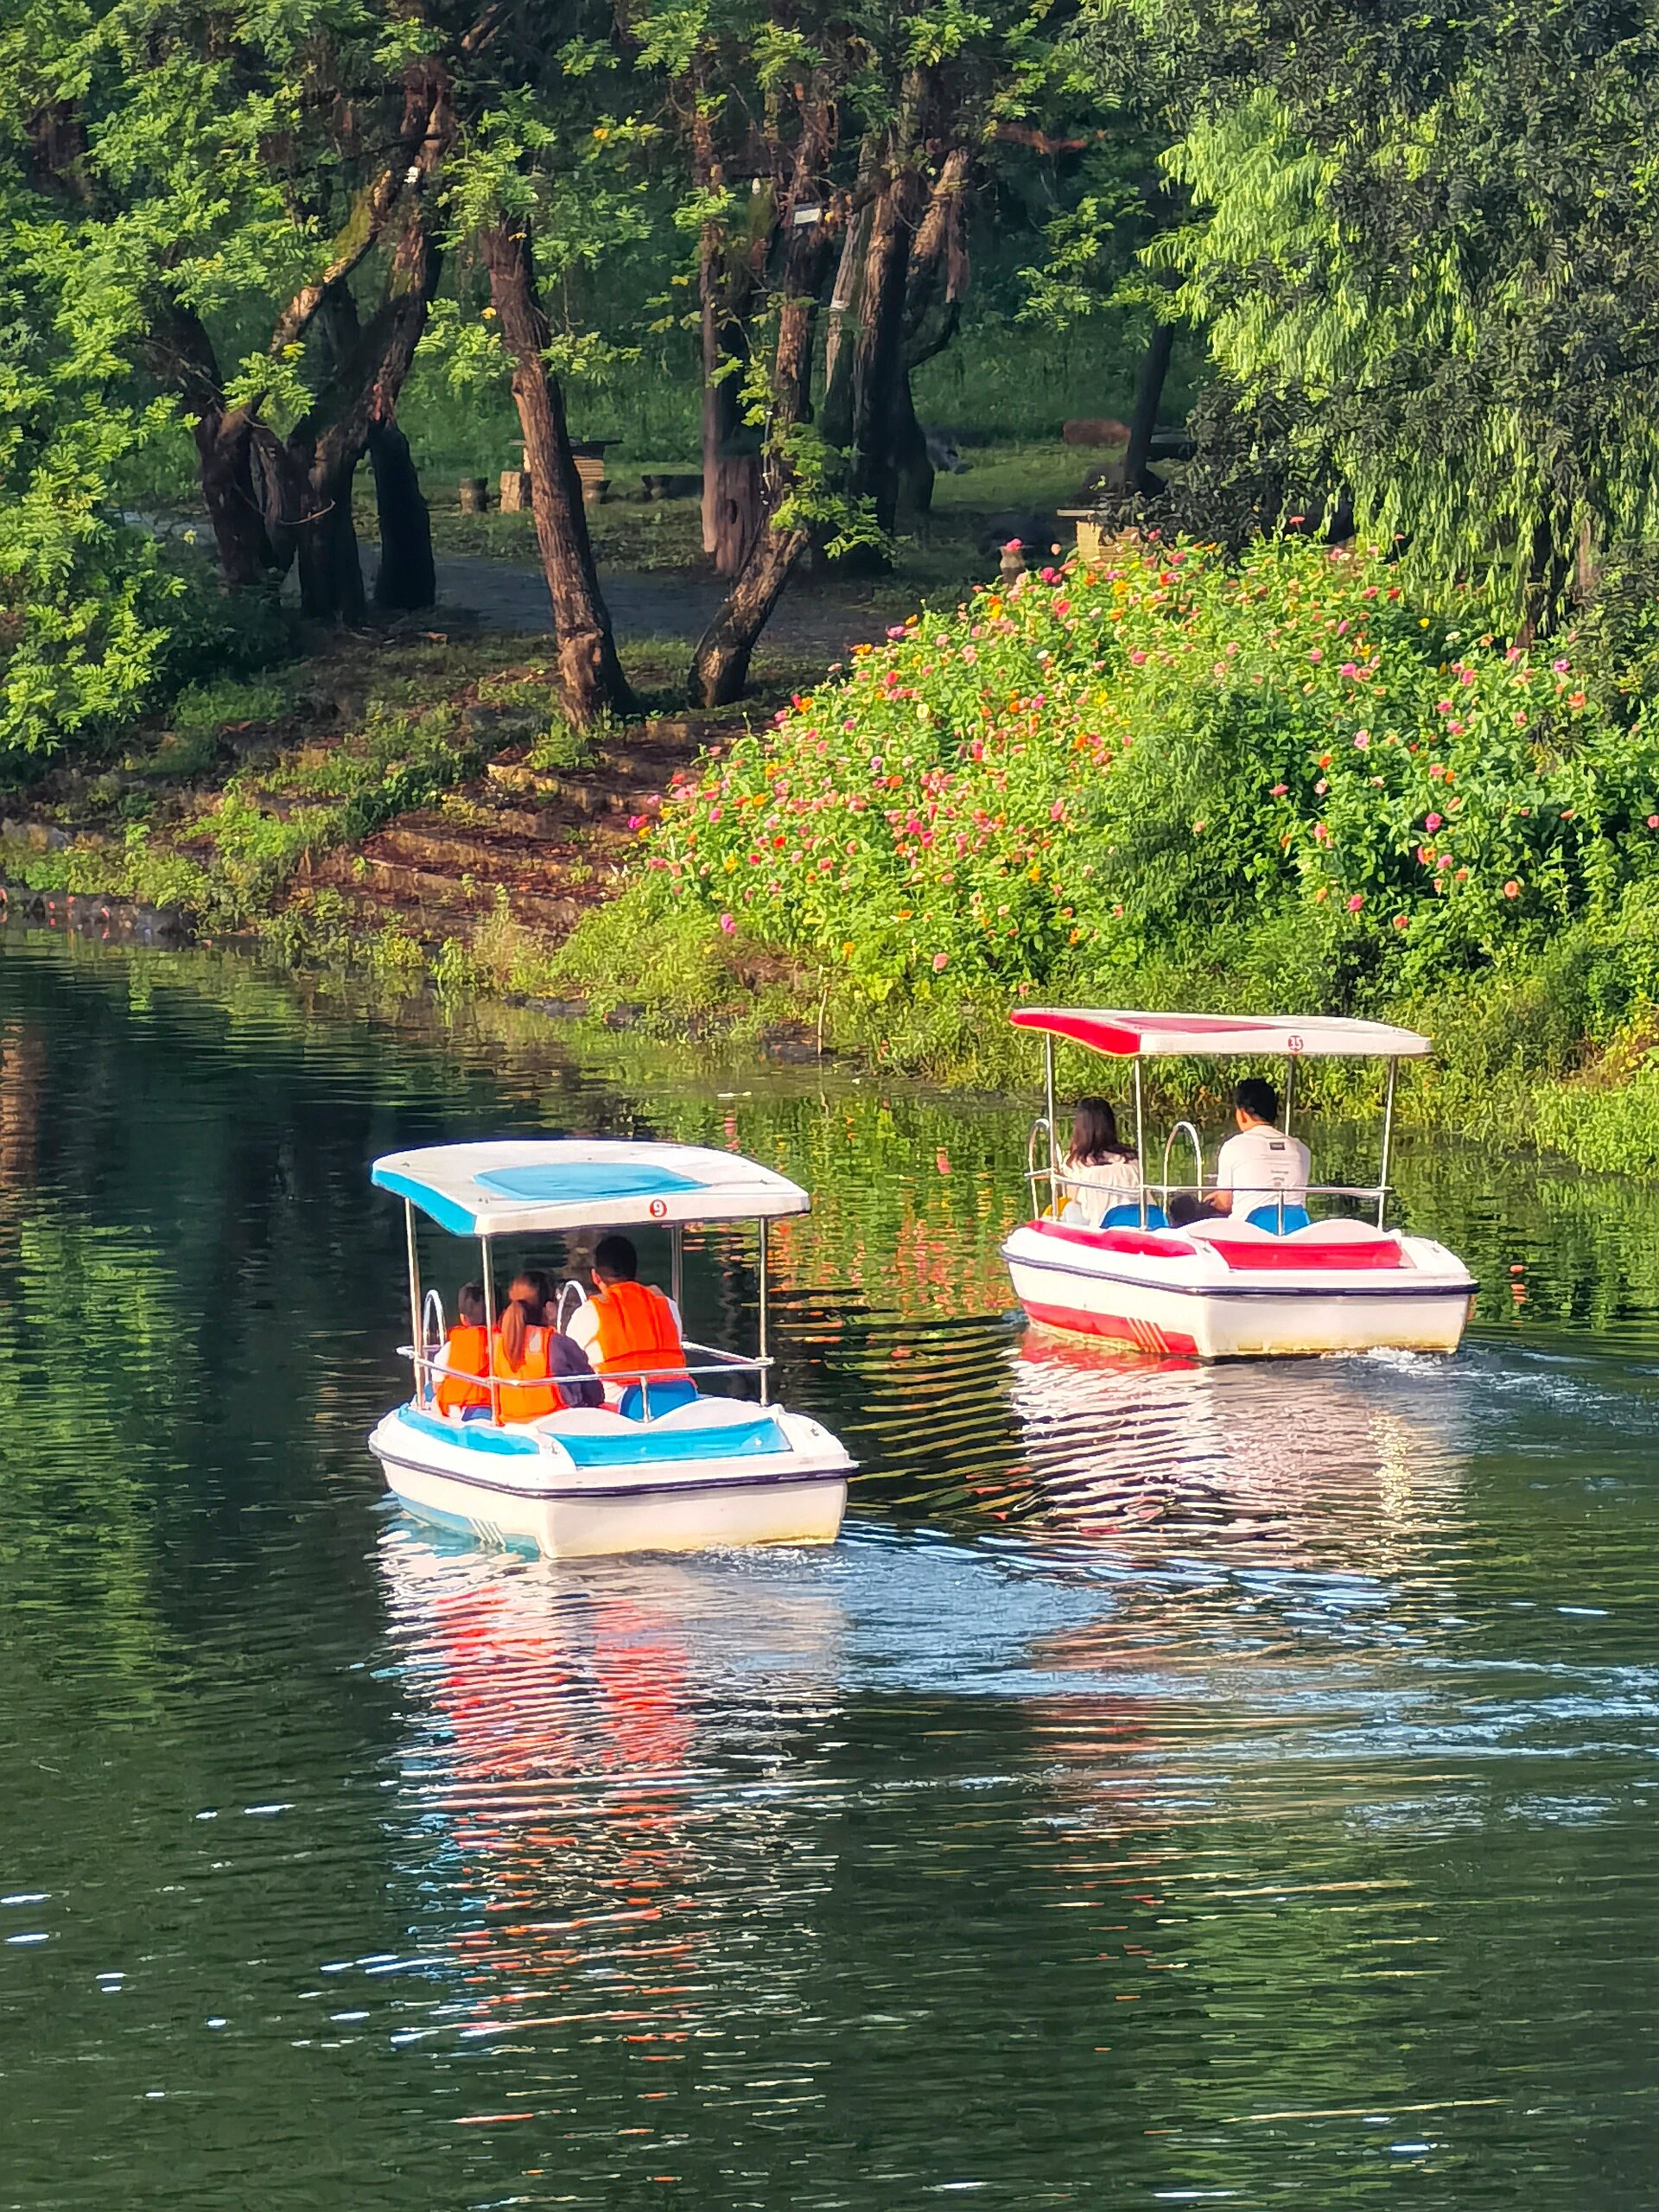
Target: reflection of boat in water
x,y
586,1778
1113,1441
527,1679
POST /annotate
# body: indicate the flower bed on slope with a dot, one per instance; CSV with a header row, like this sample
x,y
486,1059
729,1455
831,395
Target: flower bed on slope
x,y
1103,769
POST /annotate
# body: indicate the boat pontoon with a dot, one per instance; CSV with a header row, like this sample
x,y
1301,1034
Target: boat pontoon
x,y
1276,1282
679,1464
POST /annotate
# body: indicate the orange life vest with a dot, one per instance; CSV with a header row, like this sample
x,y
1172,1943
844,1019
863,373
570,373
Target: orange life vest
x,y
466,1349
636,1332
526,1390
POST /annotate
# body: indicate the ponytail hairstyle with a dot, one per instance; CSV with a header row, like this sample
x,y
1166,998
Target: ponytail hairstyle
x,y
516,1324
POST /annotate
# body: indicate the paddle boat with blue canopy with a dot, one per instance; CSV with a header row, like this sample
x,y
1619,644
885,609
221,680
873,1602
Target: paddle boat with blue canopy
x,y
680,1463
1282,1270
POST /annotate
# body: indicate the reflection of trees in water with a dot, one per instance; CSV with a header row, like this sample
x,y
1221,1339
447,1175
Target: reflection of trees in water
x,y
22,1066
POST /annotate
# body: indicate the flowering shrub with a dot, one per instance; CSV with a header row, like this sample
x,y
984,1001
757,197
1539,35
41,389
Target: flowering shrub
x,y
1101,767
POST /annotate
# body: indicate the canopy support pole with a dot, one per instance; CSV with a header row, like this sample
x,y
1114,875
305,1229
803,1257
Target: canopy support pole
x,y
1140,1142
1290,1091
676,1263
765,1392
1388,1134
414,1294
1048,1109
489,1329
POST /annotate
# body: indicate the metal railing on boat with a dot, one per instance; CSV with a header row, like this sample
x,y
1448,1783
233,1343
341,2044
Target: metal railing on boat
x,y
710,1361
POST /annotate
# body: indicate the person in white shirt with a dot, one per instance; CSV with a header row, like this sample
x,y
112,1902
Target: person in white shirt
x,y
1261,1165
1097,1172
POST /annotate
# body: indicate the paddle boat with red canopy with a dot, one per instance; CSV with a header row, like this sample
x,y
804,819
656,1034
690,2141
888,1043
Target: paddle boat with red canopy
x,y
682,1461
1273,1280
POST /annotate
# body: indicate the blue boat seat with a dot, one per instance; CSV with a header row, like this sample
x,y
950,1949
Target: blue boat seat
x,y
673,1390
1267,1217
1129,1217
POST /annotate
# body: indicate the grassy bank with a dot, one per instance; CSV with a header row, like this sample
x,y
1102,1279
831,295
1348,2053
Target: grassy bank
x,y
1281,784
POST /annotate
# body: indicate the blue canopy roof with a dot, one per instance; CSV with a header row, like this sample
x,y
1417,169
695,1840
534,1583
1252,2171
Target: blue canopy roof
x,y
522,1186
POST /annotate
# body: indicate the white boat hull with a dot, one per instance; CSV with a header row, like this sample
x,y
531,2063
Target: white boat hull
x,y
1233,1294
589,1483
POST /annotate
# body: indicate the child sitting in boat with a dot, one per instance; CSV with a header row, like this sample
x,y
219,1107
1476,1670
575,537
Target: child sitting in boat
x,y
465,1352
539,1368
1097,1172
627,1327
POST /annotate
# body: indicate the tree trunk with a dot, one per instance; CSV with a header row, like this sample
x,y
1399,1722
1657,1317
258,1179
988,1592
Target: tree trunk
x,y
731,455
835,414
225,456
407,577
1550,572
1149,393
719,667
591,682
879,405
331,576
911,466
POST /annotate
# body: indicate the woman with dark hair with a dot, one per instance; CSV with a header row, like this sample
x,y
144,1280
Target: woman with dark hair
x,y
1098,1171
539,1369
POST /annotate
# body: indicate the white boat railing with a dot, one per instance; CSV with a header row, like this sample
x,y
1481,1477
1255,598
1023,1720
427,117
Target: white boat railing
x,y
1265,1195
1043,1128
429,1363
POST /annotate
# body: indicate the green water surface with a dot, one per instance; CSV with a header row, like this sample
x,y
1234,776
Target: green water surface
x,y
1178,1786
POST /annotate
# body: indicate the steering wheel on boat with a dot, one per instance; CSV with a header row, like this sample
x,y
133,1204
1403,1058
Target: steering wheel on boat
x,y
566,1305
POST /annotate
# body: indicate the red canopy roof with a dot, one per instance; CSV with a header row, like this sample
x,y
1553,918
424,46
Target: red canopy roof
x,y
1197,1035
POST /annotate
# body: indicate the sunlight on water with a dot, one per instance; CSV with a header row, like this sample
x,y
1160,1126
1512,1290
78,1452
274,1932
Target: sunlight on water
x,y
1180,1785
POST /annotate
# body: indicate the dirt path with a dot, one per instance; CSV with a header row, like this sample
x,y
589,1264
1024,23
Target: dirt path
x,y
511,596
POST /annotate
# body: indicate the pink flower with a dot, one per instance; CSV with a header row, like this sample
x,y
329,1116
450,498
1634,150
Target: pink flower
x,y
1316,655
1361,743
1653,822
1321,787
1559,667
1511,889
941,960
1279,791
1138,659
1403,921
1432,822
728,925
1321,834
1357,902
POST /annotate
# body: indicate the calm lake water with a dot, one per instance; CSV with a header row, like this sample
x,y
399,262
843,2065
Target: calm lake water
x,y
1178,1786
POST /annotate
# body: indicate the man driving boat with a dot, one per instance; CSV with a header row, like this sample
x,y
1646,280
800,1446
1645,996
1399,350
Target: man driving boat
x,y
627,1327
1261,1166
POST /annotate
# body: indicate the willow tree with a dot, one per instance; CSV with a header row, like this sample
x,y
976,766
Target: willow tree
x,y
1428,240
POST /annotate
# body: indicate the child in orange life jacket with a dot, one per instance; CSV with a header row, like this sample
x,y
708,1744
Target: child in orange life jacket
x,y
529,1358
627,1328
465,1352
566,1362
